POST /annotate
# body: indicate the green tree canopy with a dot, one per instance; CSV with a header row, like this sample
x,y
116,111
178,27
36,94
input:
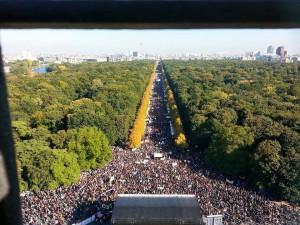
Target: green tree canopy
x,y
243,117
88,143
44,168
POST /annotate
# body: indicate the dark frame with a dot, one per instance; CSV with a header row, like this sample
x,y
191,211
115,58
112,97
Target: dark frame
x,y
149,14
124,14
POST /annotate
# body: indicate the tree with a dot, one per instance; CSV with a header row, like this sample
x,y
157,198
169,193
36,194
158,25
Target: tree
x,y
21,130
61,68
65,168
54,113
179,136
88,143
43,168
268,160
29,63
181,141
228,149
139,125
289,172
233,110
264,127
22,184
226,116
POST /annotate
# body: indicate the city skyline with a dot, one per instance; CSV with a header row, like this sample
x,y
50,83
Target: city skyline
x,y
205,41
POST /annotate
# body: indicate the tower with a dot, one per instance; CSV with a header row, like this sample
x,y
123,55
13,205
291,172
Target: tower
x,y
270,49
280,51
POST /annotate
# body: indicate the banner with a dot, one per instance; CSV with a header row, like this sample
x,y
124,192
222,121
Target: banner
x,y
157,155
229,181
111,179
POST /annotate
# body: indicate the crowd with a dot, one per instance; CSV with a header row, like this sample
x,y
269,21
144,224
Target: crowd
x,y
137,171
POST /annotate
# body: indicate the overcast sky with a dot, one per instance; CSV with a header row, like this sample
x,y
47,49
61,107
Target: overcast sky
x,y
51,41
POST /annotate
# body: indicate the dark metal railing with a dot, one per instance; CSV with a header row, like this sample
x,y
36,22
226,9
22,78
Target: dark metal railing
x,y
149,14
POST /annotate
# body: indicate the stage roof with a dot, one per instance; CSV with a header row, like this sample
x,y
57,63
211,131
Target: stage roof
x,y
156,209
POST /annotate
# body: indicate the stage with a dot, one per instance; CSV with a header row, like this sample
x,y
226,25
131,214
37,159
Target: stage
x,y
156,209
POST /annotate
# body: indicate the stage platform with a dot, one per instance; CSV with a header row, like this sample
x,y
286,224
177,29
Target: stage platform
x,y
156,209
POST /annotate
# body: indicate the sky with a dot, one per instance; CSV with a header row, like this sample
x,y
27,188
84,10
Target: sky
x,y
193,41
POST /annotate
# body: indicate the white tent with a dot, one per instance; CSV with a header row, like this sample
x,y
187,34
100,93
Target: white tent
x,y
157,155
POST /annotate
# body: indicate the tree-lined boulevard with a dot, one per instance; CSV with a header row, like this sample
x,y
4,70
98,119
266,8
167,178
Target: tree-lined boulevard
x,y
157,167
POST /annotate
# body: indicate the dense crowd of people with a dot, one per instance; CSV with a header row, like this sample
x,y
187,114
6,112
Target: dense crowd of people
x,y
142,170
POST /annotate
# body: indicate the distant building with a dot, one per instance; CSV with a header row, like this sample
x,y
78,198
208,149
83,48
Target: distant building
x,y
41,59
6,69
89,60
249,54
257,54
276,59
270,49
27,55
295,59
286,60
280,51
264,58
8,59
248,58
135,54
49,59
102,59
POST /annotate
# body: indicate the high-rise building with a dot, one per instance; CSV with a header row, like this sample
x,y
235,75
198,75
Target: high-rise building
x,y
280,51
135,54
270,49
257,54
27,55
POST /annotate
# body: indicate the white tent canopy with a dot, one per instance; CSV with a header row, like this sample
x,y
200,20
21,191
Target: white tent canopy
x,y
157,155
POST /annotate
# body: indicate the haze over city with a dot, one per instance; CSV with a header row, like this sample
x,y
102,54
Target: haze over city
x,y
205,41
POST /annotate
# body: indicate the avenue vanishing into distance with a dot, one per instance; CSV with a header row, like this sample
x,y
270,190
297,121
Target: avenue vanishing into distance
x,y
156,167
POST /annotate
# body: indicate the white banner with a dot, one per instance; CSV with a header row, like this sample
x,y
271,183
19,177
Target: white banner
x,y
229,181
157,155
111,179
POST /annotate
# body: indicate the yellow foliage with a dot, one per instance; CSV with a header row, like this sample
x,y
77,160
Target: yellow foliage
x,y
178,121
135,138
180,139
174,107
62,68
269,89
139,125
46,86
38,117
63,84
223,95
